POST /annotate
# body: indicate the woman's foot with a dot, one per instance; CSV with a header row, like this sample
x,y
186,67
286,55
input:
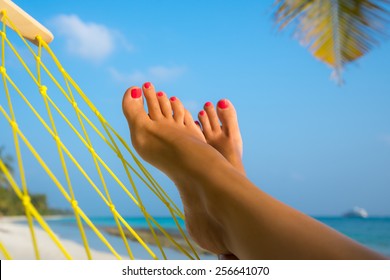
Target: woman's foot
x,y
221,130
168,138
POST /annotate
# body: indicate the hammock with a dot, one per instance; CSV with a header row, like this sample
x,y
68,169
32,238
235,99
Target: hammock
x,y
34,80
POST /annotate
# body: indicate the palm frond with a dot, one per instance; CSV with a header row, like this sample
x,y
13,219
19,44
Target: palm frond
x,y
336,32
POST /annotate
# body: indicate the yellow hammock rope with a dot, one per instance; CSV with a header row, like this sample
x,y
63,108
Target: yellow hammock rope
x,y
111,138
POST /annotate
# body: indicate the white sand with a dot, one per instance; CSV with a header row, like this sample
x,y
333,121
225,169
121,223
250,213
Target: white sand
x,y
16,238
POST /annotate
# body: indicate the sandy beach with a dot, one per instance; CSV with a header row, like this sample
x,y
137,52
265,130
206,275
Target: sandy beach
x,y
147,236
16,237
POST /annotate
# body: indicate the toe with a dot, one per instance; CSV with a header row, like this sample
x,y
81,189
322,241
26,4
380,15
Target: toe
x,y
204,120
178,109
165,105
132,105
152,101
212,116
188,120
228,117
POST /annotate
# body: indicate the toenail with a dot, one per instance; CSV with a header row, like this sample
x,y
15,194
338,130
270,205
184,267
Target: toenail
x,y
136,93
202,113
160,94
197,123
147,85
223,104
173,98
208,104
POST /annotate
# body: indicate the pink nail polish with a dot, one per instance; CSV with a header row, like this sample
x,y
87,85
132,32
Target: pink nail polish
x,y
173,98
202,113
208,104
160,94
147,85
223,104
136,93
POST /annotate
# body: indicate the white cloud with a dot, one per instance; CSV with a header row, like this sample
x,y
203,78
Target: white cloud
x,y
136,77
88,40
166,73
154,73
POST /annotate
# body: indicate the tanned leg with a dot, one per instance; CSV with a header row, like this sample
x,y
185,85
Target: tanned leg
x,y
239,218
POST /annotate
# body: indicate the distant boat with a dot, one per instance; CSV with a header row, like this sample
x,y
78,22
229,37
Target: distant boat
x,y
356,212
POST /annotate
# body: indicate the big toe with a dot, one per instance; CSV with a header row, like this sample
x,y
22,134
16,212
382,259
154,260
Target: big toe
x,y
228,117
132,105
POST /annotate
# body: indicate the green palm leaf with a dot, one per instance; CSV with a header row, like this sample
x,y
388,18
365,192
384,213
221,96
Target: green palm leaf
x,y
336,31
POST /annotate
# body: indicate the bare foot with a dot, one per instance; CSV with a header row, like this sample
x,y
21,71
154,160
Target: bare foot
x,y
168,138
221,130
225,212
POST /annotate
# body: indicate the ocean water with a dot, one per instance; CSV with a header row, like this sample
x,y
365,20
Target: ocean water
x,y
371,232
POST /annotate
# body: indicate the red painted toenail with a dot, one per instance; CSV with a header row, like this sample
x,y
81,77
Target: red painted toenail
x,y
160,94
136,93
208,104
223,104
173,98
202,113
197,123
147,85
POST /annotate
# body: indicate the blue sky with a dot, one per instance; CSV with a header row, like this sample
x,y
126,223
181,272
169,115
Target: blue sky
x,y
312,144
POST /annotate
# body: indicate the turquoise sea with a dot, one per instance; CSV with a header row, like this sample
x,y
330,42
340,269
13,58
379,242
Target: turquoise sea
x,y
372,232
